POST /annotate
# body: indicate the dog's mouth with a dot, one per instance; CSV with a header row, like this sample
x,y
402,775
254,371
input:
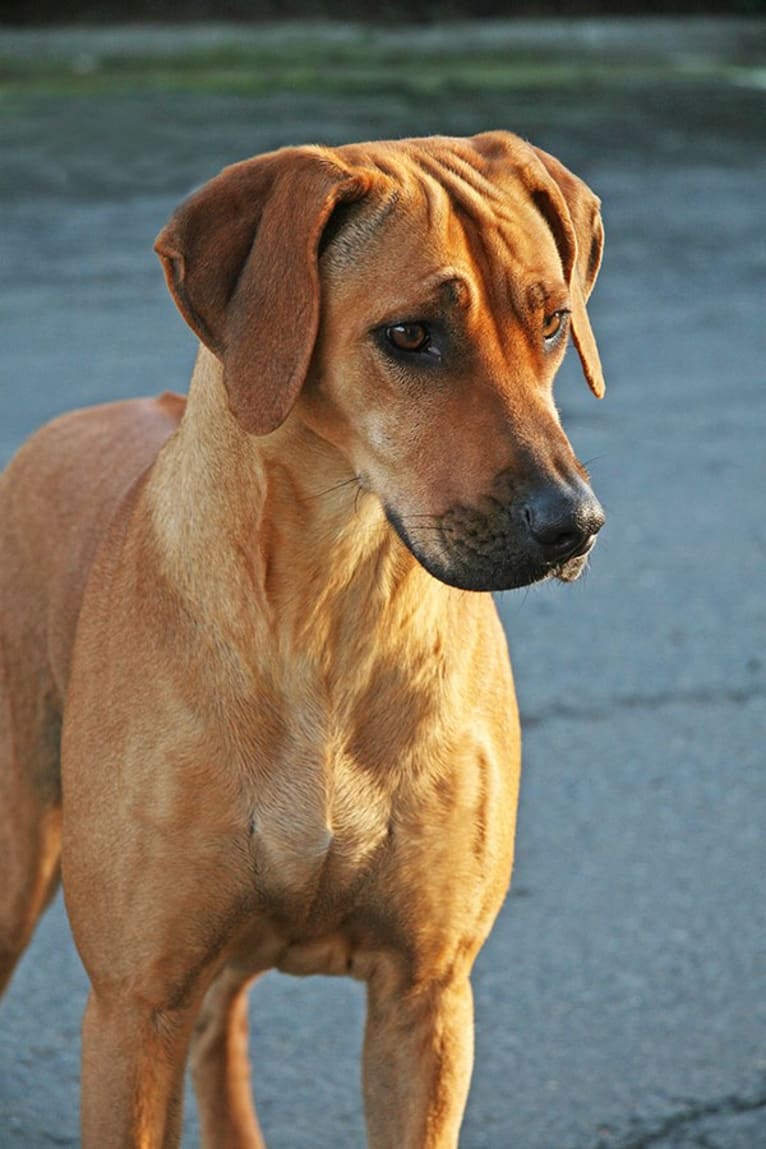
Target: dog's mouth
x,y
571,570
470,551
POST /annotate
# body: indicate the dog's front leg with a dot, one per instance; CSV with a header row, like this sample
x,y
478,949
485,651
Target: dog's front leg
x,y
418,1056
133,1073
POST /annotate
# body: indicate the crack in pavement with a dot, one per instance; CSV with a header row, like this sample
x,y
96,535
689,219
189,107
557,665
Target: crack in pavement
x,y
600,712
731,1106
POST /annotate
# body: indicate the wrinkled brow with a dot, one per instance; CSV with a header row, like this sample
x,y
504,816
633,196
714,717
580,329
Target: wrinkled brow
x,y
447,289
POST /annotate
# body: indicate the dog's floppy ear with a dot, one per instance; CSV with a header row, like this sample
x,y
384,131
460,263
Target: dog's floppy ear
x,y
572,212
240,260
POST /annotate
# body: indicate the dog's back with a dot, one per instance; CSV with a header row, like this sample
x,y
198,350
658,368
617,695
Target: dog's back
x,y
56,498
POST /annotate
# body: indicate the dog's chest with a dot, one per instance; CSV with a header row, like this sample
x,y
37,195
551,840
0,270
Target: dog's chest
x,y
328,784
316,825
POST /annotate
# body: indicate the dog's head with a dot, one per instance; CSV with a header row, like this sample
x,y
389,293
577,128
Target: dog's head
x,y
411,303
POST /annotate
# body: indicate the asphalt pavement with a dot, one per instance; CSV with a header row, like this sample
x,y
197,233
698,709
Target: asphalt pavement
x,y
621,1000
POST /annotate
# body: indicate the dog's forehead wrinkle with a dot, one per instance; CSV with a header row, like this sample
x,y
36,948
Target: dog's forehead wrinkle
x,y
513,269
430,189
483,206
496,269
464,183
427,200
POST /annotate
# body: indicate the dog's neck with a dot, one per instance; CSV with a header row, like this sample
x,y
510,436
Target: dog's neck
x,y
276,528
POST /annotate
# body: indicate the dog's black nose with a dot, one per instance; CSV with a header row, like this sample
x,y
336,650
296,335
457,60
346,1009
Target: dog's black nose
x,y
563,522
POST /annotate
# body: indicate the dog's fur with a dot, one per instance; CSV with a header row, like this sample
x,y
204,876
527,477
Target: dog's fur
x,y
285,742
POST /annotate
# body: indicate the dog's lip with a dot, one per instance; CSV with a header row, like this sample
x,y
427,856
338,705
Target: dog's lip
x,y
586,547
570,569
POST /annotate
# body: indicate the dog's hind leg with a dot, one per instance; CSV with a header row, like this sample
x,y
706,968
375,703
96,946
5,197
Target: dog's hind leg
x,y
30,813
221,1068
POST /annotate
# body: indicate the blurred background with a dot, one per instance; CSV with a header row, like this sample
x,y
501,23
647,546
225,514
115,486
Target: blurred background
x,y
621,1000
69,11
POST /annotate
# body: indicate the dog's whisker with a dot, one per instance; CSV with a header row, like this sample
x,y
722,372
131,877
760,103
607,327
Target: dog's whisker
x,y
342,485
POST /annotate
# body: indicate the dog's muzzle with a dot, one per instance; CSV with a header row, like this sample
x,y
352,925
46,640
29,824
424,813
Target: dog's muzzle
x,y
543,532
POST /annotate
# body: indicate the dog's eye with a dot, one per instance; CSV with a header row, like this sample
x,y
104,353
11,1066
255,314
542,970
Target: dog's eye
x,y
409,336
553,324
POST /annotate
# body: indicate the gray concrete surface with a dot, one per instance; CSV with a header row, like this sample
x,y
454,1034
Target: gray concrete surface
x,y
621,1001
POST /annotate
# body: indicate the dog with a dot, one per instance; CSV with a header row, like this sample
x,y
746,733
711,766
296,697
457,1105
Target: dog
x,y
246,636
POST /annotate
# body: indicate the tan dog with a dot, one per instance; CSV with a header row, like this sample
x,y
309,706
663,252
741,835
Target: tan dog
x,y
285,742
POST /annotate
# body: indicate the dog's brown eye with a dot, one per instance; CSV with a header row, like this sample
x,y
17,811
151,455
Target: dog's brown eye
x,y
553,323
409,336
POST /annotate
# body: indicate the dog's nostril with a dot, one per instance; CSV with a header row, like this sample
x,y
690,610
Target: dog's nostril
x,y
558,541
563,527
